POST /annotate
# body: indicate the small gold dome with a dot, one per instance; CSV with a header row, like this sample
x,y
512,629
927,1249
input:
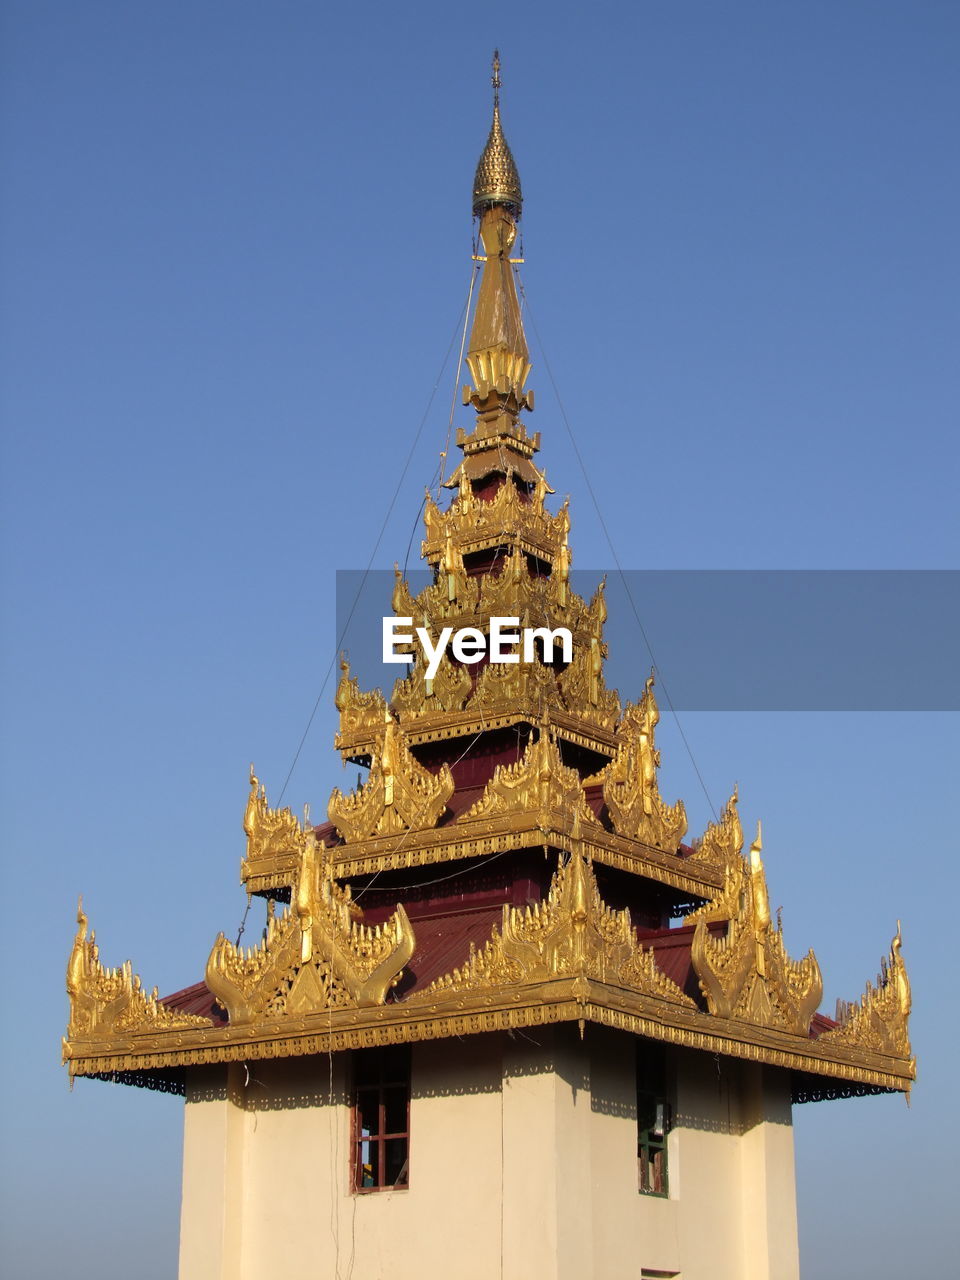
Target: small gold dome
x,y
497,181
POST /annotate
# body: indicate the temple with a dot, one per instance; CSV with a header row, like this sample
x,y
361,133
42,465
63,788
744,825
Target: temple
x,y
504,1018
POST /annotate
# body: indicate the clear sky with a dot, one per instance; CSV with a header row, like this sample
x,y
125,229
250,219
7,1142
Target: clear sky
x,y
235,243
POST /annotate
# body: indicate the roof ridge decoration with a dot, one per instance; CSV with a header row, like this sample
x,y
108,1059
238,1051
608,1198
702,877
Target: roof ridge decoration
x,y
109,1005
415,696
320,980
273,835
630,787
316,956
571,933
360,710
722,841
747,973
399,794
880,1019
539,782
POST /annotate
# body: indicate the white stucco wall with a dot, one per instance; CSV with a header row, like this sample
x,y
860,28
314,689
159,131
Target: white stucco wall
x,y
523,1164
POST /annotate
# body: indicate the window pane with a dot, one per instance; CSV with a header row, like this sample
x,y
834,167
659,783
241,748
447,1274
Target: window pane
x,y
395,1110
657,1182
368,1170
396,1162
368,1112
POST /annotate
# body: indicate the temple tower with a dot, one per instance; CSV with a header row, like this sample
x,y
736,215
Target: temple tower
x,y
503,1020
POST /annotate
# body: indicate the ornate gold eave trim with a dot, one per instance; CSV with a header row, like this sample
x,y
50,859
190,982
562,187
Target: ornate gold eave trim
x,y
574,999
443,726
473,839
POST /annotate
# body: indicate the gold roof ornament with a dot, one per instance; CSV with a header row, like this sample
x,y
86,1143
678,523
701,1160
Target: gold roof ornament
x,y
400,794
318,955
497,180
551,762
879,1021
109,1005
497,357
747,974
571,933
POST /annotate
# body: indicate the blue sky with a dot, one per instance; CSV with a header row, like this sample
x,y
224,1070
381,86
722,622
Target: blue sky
x,y
236,240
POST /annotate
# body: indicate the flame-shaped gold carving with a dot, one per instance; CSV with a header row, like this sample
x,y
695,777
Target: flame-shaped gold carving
x,y
747,974
528,686
583,688
315,956
538,782
572,933
270,832
361,712
722,842
879,1021
415,695
106,1003
629,781
398,795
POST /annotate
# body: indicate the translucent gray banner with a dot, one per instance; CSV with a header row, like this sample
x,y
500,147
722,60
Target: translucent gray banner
x,y
740,640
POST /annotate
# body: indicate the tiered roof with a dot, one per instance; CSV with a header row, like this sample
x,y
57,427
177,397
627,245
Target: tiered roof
x,y
530,794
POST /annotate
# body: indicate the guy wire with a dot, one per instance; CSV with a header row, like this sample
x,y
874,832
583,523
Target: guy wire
x,y
613,550
376,548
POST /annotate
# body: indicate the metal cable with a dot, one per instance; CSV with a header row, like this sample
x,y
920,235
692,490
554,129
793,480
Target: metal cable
x,y
613,550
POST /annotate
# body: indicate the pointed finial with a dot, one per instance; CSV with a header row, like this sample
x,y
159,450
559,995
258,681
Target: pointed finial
x,y
756,847
497,181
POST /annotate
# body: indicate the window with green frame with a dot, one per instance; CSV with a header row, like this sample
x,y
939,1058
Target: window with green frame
x,y
653,1119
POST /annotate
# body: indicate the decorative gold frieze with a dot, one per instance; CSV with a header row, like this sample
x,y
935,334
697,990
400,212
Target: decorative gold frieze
x,y
316,956
508,518
538,783
471,1013
399,793
747,973
878,1022
572,933
106,1003
629,781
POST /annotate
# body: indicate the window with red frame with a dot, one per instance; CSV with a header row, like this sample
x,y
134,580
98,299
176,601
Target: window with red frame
x,y
381,1118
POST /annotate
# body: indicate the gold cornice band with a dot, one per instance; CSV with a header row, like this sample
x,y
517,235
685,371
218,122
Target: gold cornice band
x,y
538,1005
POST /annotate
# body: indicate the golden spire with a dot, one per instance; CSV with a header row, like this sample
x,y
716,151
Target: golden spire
x,y
497,356
497,181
